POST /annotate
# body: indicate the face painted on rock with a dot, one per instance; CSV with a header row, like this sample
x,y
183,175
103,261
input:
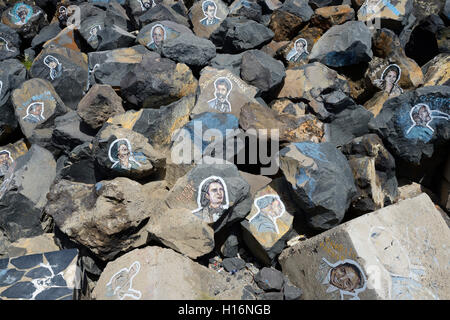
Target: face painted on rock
x,y
210,12
423,116
345,277
158,36
123,153
300,47
215,194
52,65
391,77
4,157
221,92
37,110
273,210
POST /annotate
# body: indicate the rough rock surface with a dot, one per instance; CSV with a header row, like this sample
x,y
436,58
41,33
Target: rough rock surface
x,y
159,273
315,171
107,217
180,147
373,248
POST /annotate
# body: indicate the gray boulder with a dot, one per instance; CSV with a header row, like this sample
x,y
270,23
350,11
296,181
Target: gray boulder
x,y
23,193
322,182
12,74
237,34
350,123
108,217
78,165
288,19
9,42
189,49
98,105
180,230
233,264
262,71
344,45
373,168
269,279
162,12
415,125
46,33
157,81
67,133
114,37
227,61
292,292
109,67
66,69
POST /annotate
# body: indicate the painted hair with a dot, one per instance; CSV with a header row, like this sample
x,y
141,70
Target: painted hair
x,y
113,152
158,26
223,81
357,271
34,105
392,67
302,41
49,59
207,4
265,201
204,191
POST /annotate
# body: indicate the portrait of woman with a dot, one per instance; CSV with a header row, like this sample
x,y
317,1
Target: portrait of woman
x,y
299,52
389,79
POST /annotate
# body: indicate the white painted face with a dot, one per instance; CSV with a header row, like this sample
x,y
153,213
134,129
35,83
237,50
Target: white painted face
x,y
300,47
158,36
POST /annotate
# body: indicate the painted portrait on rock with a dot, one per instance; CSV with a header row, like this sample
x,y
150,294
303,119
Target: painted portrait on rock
x,y
93,33
212,199
405,281
21,13
62,14
389,81
154,35
121,155
299,52
209,8
269,209
146,4
121,283
222,90
421,117
54,66
5,162
423,120
35,113
158,35
344,276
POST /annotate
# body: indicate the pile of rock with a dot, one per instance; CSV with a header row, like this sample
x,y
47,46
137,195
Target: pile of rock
x,y
247,149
